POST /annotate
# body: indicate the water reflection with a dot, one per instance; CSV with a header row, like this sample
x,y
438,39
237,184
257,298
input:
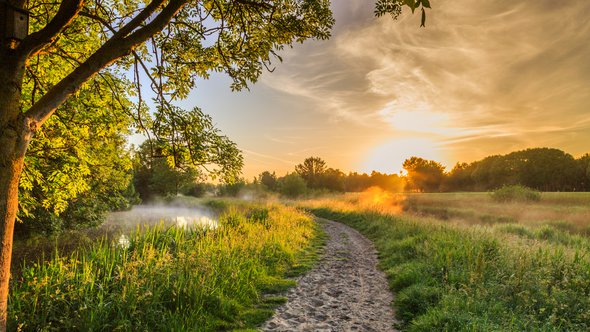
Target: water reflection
x,y
202,221
123,241
120,224
152,215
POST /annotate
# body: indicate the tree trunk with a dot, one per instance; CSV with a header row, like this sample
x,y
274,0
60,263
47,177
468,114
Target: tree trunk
x,y
15,134
10,171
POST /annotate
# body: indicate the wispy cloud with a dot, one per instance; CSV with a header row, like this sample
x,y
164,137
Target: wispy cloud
x,y
496,72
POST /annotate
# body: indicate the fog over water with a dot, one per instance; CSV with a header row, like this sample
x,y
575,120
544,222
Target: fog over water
x,y
149,215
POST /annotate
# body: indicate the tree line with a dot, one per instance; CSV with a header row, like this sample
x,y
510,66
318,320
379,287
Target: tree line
x,y
543,169
121,177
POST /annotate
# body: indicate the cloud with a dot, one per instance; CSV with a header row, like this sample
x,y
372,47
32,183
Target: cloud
x,y
499,72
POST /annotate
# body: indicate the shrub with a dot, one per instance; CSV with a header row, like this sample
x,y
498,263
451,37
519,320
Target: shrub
x,y
516,193
292,185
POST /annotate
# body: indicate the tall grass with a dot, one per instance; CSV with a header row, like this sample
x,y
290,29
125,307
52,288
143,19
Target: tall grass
x,y
451,277
168,278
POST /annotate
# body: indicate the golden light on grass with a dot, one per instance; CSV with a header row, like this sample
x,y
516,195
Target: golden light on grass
x,y
377,199
373,199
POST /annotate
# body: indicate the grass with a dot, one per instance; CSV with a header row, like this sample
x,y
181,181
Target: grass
x,y
171,279
473,276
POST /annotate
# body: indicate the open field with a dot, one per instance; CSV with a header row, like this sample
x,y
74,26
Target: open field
x,y
565,211
461,262
167,278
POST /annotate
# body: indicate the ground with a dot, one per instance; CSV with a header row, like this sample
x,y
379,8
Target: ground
x,y
344,292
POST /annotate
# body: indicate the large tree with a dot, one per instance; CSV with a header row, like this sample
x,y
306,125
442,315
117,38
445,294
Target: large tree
x,y
311,170
171,41
424,175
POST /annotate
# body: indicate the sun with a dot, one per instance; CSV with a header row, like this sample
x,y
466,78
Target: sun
x,y
389,157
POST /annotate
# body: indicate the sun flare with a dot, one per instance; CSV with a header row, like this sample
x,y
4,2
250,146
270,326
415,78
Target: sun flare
x,y
389,157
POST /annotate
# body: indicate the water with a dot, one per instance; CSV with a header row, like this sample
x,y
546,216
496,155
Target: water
x,y
150,215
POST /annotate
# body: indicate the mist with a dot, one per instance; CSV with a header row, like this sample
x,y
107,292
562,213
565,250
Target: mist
x,y
169,214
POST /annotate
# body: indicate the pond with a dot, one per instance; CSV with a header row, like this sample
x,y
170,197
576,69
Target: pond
x,y
149,215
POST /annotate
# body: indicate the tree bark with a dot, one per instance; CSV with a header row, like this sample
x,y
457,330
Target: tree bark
x,y
15,135
10,172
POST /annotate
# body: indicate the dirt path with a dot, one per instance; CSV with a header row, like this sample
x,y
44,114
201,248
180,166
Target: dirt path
x,y
344,292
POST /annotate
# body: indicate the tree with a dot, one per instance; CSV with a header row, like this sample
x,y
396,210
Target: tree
x,y
268,179
170,41
311,170
187,144
424,175
390,182
155,176
459,178
332,179
539,168
583,182
292,185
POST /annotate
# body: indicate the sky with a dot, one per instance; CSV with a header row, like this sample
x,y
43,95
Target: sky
x,y
486,77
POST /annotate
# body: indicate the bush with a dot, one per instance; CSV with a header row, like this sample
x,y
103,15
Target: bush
x,y
516,193
292,185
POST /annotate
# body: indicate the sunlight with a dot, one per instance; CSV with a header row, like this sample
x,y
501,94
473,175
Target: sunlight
x,y
389,157
415,116
377,199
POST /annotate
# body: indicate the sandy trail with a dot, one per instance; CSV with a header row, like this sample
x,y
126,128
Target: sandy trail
x,y
344,292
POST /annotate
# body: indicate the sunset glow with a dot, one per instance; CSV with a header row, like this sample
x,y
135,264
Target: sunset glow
x,y
389,157
478,80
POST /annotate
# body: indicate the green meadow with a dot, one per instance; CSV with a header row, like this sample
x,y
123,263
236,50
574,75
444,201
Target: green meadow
x,y
465,262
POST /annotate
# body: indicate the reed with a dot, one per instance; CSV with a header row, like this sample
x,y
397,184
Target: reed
x,y
170,279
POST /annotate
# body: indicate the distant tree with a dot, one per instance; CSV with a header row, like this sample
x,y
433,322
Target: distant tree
x,y
198,189
389,182
583,163
157,176
232,189
542,169
423,175
459,178
292,185
493,172
165,166
546,169
311,171
268,179
332,179
355,182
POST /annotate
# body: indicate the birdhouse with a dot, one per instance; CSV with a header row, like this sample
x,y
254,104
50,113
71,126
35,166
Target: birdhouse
x,y
14,23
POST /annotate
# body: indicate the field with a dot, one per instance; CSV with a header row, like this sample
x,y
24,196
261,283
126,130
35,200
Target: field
x,y
455,262
166,278
565,211
462,262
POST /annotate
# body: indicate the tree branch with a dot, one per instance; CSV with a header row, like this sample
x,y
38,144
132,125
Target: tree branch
x,y
112,50
140,18
254,4
66,13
